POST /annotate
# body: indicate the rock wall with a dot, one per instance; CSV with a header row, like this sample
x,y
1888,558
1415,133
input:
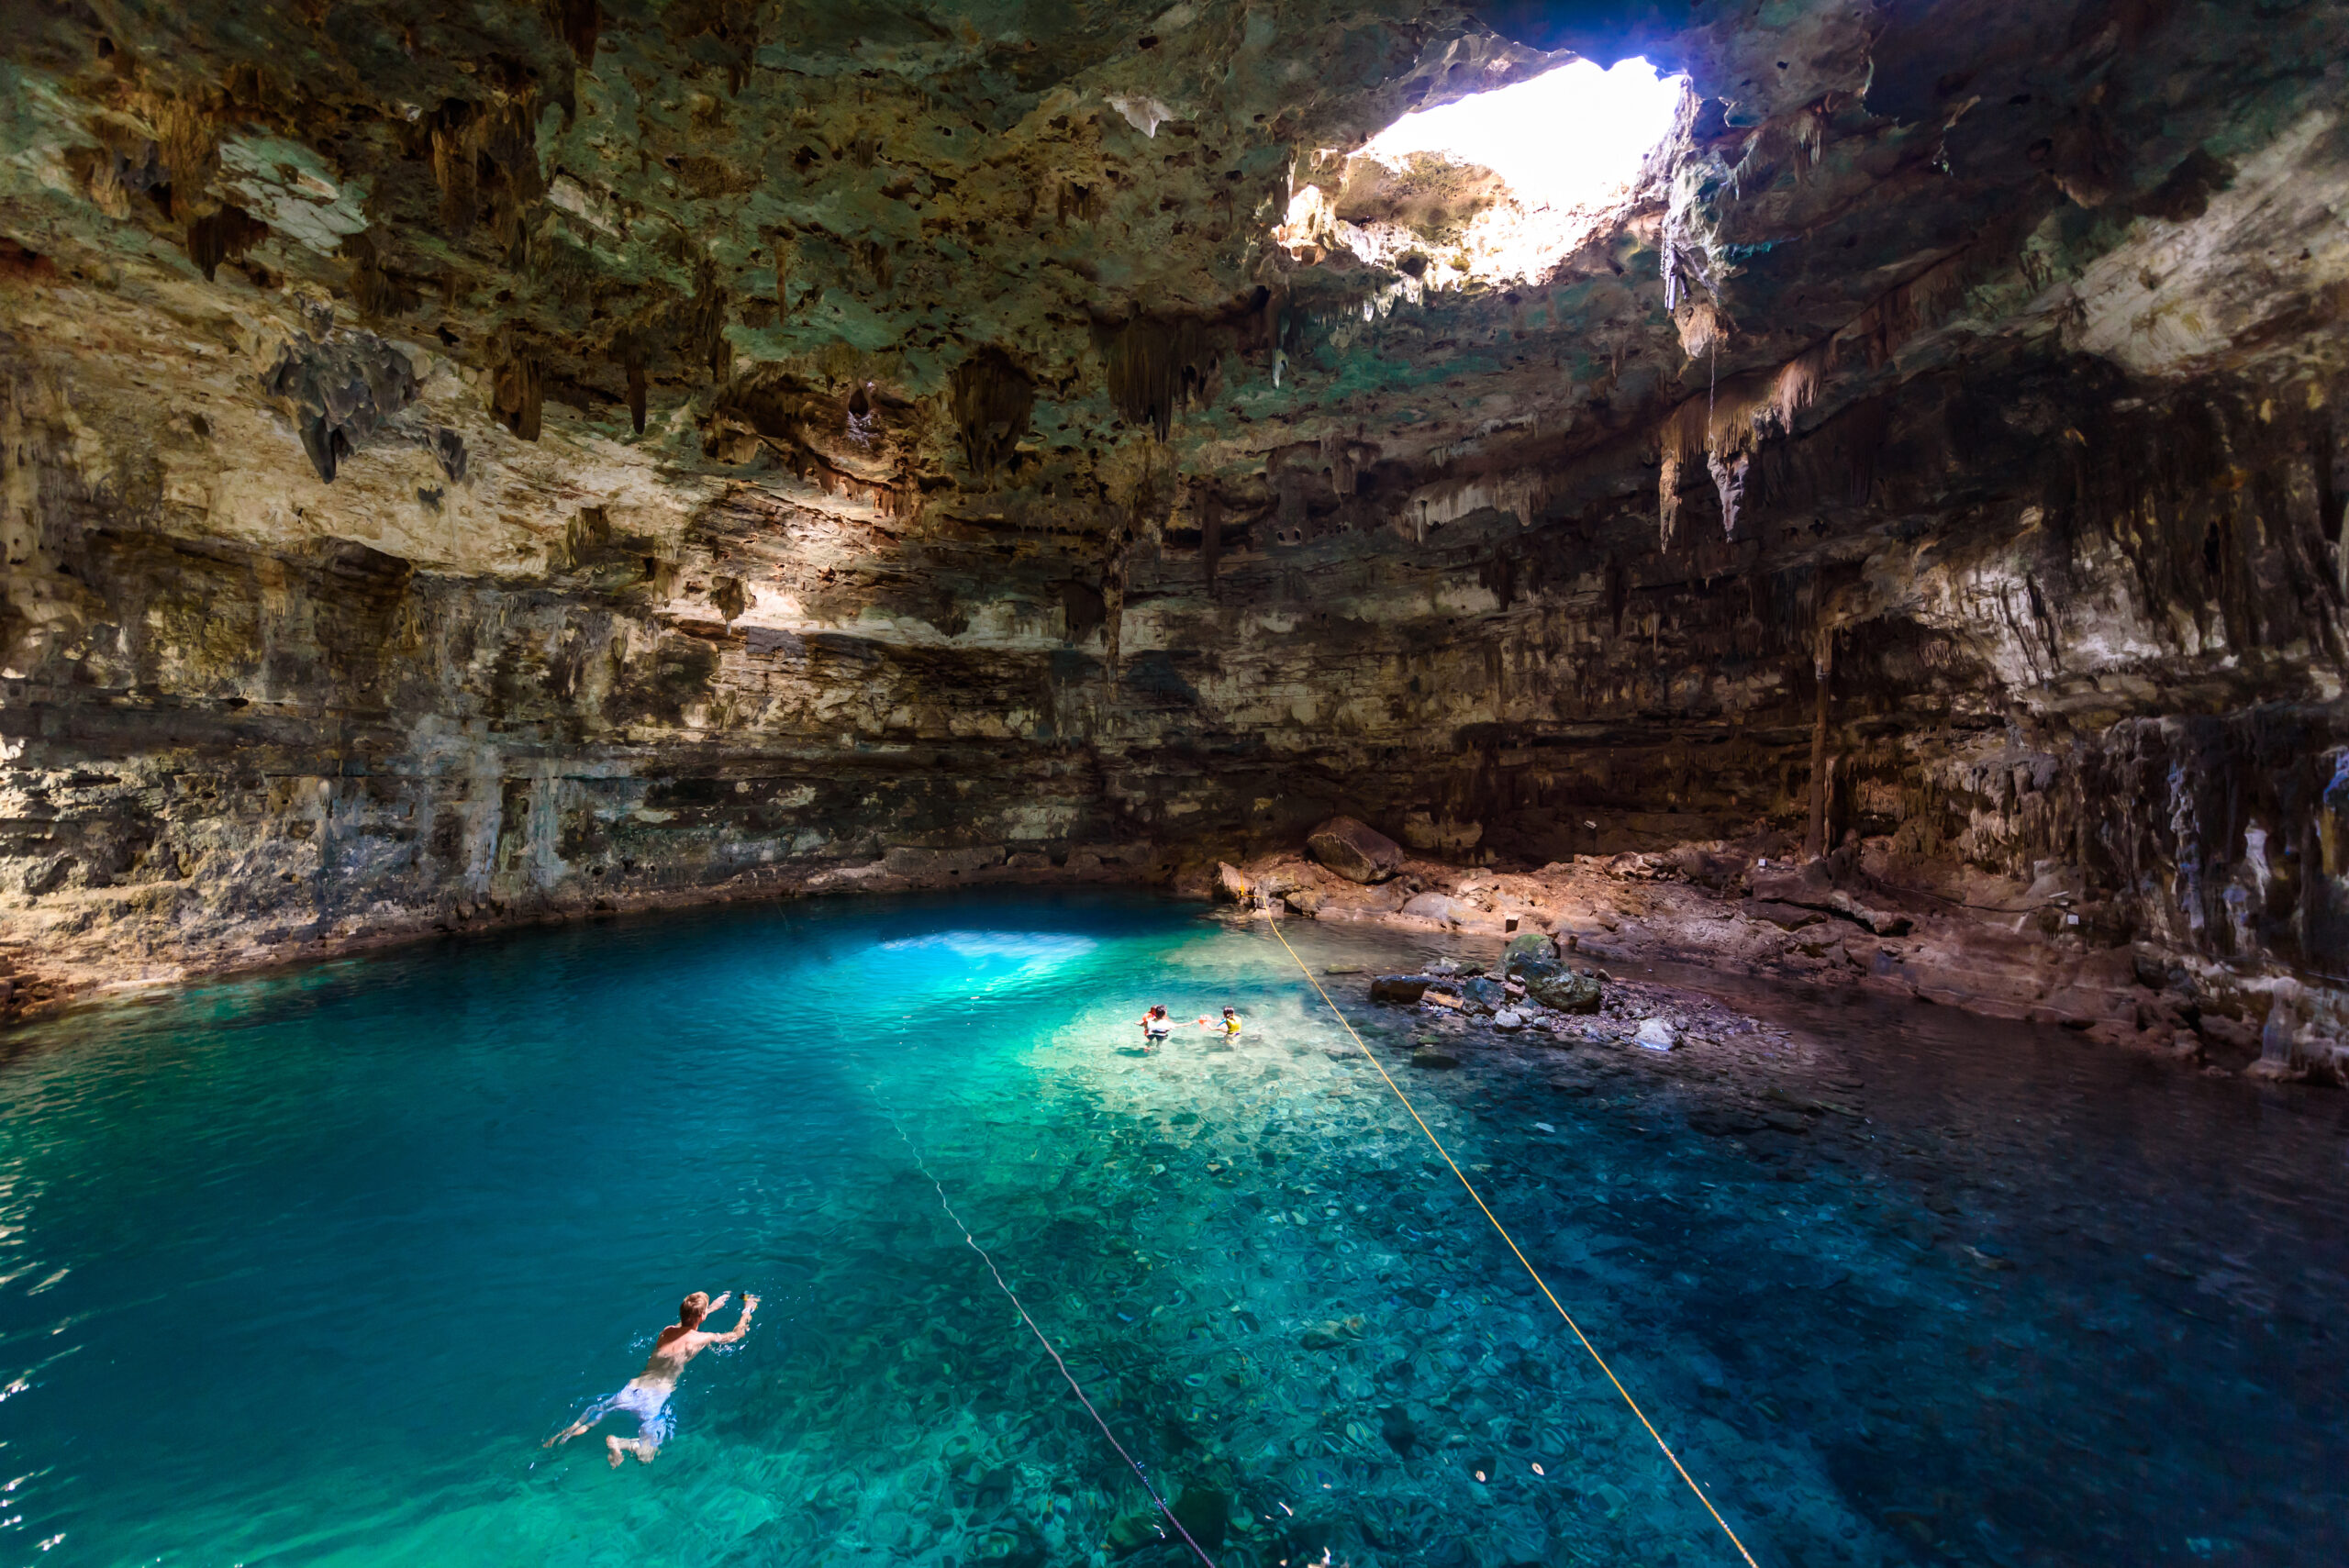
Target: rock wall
x,y
490,475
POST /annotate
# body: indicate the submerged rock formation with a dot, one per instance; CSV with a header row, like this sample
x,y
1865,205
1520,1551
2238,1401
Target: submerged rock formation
x,y
457,467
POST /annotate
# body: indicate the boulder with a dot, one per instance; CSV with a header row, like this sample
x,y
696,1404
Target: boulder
x,y
1812,887
1135,1529
1563,990
1355,851
1331,1333
1528,945
1436,907
1656,1034
1509,1019
1484,995
1404,989
1229,884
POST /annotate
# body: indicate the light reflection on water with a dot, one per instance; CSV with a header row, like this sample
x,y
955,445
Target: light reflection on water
x,y
302,1269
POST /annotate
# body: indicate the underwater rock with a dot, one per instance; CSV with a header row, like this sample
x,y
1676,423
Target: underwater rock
x,y
1205,1513
1433,1056
1331,1333
1135,1529
1355,851
1484,995
1656,1034
1402,989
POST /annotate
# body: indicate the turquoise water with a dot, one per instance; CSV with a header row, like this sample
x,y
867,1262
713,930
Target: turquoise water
x,y
304,1269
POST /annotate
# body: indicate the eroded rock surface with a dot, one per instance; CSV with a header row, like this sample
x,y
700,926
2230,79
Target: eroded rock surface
x,y
459,467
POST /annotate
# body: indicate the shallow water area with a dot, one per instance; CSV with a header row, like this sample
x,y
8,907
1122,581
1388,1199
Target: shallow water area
x,y
304,1269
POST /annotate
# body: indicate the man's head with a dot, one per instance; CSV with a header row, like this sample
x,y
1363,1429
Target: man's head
x,y
694,1309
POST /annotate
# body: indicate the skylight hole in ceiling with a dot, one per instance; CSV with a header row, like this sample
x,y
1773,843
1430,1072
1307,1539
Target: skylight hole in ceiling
x,y
1573,137
1492,187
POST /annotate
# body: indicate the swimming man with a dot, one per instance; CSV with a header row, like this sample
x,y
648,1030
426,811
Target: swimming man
x,y
645,1395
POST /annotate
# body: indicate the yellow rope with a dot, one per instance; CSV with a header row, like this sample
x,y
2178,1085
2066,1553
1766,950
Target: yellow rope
x,y
1521,1258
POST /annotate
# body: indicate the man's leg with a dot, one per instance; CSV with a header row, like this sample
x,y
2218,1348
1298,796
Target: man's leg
x,y
651,1433
587,1419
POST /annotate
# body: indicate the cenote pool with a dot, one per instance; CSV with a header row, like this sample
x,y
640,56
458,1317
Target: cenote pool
x,y
304,1269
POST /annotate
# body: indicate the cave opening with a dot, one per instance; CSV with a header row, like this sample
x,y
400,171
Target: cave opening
x,y
1492,187
1573,137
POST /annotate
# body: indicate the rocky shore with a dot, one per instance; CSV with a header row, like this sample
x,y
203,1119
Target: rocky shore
x,y
1851,921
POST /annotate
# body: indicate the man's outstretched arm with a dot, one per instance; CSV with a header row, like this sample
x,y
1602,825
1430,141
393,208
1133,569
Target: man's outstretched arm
x,y
742,1324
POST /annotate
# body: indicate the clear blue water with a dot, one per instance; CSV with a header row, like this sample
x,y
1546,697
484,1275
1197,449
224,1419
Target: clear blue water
x,y
302,1269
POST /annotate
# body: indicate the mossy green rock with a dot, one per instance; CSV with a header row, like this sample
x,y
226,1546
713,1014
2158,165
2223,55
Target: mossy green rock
x,y
1559,988
1532,945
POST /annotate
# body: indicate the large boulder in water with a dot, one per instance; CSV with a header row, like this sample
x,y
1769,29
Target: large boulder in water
x,y
1404,989
1532,961
1530,945
1564,991
1355,851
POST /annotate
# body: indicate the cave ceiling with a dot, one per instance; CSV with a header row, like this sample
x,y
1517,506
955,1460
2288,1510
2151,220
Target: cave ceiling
x,y
957,267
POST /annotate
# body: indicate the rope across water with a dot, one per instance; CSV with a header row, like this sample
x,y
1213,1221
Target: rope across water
x,y
1519,1252
1049,1350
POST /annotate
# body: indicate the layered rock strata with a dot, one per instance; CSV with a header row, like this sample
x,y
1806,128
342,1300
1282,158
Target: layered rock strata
x,y
457,468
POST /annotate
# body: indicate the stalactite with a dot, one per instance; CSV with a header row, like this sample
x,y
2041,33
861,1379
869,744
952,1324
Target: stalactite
x,y
516,393
1155,367
187,146
703,331
579,22
223,235
373,288
1208,502
453,167
1823,669
990,398
1729,471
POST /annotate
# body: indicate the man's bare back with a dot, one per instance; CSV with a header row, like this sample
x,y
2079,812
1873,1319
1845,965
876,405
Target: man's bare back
x,y
645,1395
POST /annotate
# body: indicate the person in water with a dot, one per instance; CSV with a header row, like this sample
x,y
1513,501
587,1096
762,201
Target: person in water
x,y
1155,1027
645,1395
1230,1023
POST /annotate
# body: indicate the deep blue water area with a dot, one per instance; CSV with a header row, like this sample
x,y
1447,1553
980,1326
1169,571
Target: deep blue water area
x,y
302,1269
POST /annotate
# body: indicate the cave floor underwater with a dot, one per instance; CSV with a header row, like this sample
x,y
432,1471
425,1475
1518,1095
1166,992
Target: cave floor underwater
x,y
303,1268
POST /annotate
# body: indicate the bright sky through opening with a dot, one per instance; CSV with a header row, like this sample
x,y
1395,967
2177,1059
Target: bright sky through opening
x,y
1567,137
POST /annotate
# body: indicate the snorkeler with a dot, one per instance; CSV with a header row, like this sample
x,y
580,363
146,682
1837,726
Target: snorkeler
x,y
645,1395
